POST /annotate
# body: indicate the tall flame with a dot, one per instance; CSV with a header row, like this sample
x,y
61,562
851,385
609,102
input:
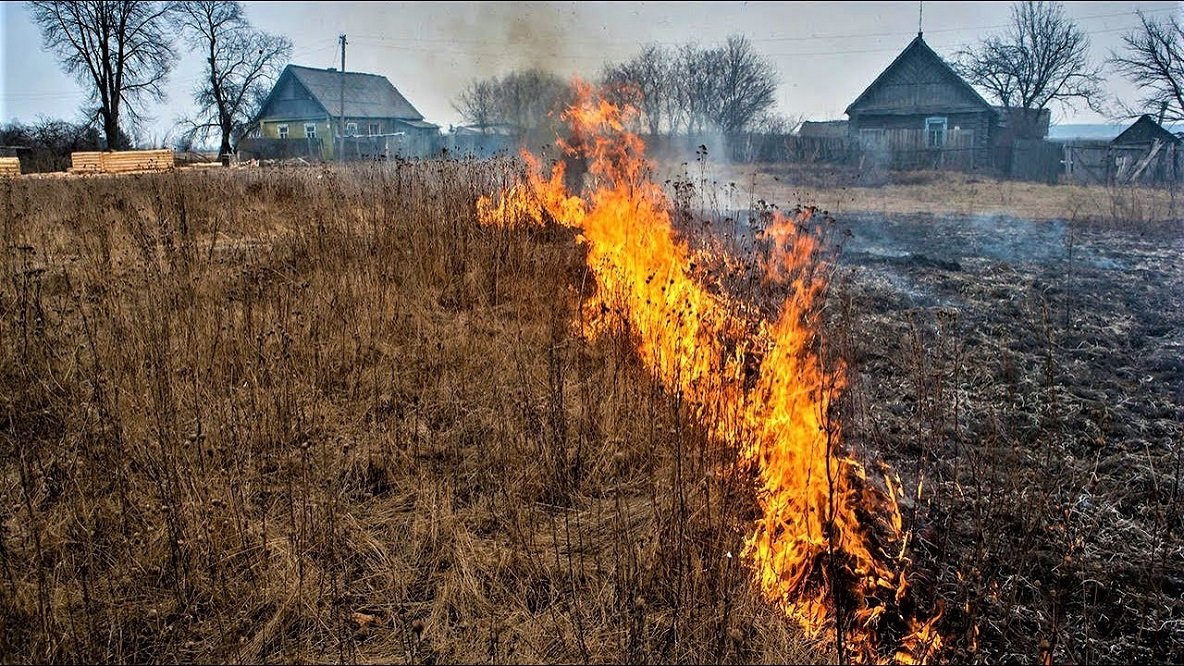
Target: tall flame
x,y
819,548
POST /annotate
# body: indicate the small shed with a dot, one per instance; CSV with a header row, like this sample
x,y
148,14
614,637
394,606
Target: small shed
x,y
1144,132
1146,152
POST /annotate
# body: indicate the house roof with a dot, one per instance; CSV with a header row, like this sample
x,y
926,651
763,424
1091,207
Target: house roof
x,y
918,48
823,129
366,95
489,129
421,124
1144,130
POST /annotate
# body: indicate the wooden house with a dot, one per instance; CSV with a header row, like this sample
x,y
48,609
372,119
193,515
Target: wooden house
x,y
308,109
920,113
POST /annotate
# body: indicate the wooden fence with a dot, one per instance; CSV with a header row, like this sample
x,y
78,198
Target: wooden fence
x,y
1101,163
911,149
266,148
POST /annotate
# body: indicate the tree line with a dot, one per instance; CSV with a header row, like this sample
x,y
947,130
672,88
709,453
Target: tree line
x,y
688,89
1040,60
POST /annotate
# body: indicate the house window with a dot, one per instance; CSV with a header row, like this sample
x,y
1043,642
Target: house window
x,y
935,132
373,129
282,130
310,130
351,129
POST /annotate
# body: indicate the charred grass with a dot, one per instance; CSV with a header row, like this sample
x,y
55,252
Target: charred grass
x,y
1036,412
321,415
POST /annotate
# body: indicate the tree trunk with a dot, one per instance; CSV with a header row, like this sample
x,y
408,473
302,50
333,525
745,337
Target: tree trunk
x,y
111,131
224,149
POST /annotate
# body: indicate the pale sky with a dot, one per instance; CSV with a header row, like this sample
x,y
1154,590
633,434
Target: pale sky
x,y
826,53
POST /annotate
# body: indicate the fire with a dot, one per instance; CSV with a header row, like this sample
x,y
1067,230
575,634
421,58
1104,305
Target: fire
x,y
820,548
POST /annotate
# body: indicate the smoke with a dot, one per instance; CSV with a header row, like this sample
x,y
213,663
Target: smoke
x,y
493,39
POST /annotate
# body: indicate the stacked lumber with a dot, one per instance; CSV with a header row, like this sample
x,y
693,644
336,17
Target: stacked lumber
x,y
86,162
121,161
10,166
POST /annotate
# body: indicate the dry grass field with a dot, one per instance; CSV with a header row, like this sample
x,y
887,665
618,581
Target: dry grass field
x,y
932,192
321,414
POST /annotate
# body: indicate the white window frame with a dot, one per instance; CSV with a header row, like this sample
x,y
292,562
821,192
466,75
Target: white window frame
x,y
307,133
935,122
351,129
282,131
374,129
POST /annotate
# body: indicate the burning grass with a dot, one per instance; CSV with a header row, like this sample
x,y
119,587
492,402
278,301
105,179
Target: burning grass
x,y
821,547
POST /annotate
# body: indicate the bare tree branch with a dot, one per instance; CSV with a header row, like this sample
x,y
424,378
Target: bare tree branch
x,y
118,51
241,65
1040,60
1154,61
528,99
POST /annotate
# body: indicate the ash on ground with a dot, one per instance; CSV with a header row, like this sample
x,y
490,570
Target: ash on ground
x,y
1026,379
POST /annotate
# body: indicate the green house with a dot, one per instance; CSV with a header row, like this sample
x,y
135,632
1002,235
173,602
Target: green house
x,y
308,111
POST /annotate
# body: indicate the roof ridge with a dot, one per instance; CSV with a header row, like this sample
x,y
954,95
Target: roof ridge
x,y
917,42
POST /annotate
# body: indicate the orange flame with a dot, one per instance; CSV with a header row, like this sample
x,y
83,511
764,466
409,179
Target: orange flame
x,y
818,549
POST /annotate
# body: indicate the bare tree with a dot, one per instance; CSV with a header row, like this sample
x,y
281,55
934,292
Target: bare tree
x,y
477,103
1041,59
645,82
744,85
696,75
1154,61
527,99
241,65
118,50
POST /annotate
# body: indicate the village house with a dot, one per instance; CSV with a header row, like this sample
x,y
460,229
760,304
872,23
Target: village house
x,y
920,113
304,116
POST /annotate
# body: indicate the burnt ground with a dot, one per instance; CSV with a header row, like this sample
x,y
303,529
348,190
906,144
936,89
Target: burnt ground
x,y
1026,379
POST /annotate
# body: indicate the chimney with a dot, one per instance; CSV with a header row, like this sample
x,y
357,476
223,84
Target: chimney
x,y
1163,109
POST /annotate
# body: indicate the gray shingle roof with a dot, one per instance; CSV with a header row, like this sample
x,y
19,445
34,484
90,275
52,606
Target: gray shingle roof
x,y
366,95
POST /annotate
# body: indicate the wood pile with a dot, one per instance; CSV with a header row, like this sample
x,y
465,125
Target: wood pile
x,y
121,161
10,166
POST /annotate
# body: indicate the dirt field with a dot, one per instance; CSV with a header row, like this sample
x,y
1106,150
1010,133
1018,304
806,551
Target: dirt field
x,y
314,414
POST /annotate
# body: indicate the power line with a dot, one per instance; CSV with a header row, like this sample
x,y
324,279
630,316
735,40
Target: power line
x,y
795,38
385,42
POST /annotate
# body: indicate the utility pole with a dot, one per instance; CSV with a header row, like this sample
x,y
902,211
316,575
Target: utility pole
x,y
341,106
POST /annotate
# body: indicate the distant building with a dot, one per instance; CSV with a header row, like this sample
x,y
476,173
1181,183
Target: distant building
x,y
919,113
823,129
1146,152
1144,133
302,116
483,140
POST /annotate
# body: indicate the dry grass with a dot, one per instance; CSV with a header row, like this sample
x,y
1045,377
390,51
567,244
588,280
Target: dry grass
x,y
944,193
320,415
